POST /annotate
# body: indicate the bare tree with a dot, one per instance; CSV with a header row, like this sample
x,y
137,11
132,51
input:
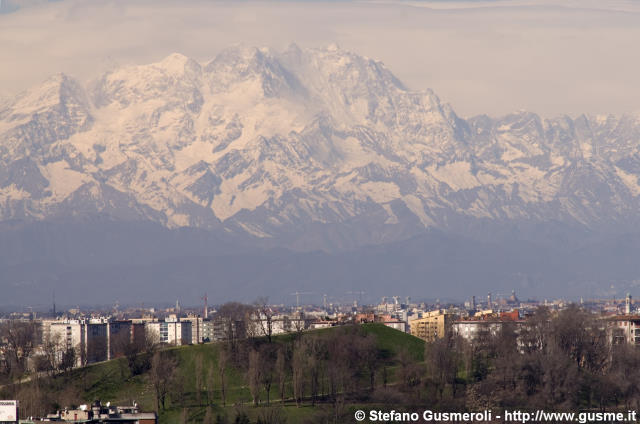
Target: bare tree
x,y
368,353
236,318
313,351
199,377
211,384
52,353
267,360
410,373
223,359
20,338
507,365
337,366
298,323
139,350
68,395
625,370
264,316
281,371
162,376
560,380
298,366
69,359
119,342
254,375
535,333
441,366
34,397
582,337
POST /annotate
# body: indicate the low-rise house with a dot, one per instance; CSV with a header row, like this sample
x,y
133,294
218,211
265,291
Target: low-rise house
x,y
488,324
99,413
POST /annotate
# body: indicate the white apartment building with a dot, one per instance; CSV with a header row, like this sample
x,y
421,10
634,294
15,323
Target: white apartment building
x,y
64,335
171,331
89,338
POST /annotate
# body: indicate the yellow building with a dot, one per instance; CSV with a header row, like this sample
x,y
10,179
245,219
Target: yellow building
x,y
433,325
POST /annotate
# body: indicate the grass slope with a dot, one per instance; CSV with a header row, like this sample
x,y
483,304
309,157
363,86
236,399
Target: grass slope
x,y
112,381
391,342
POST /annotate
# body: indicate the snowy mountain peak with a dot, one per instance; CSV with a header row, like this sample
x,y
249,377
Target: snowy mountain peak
x,y
178,64
282,145
56,90
242,64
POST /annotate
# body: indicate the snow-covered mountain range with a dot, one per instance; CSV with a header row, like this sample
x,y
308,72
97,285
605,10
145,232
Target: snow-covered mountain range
x,y
306,147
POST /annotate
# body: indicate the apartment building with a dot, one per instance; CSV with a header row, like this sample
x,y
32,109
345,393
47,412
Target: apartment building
x,y
432,325
171,331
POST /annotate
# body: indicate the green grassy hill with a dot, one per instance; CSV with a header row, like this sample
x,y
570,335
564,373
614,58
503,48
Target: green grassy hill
x,y
112,381
391,342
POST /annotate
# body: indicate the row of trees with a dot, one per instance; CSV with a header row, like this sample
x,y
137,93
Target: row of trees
x,y
554,361
324,367
247,321
565,361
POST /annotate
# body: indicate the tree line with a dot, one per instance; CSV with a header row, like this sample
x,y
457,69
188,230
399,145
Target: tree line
x,y
560,361
327,369
553,361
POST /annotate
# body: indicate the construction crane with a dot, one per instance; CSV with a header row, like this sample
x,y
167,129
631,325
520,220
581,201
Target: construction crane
x,y
297,295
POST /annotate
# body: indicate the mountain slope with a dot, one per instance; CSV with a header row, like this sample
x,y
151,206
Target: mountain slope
x,y
308,148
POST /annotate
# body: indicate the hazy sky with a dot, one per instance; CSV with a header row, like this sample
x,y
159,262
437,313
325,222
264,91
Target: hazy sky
x,y
550,57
